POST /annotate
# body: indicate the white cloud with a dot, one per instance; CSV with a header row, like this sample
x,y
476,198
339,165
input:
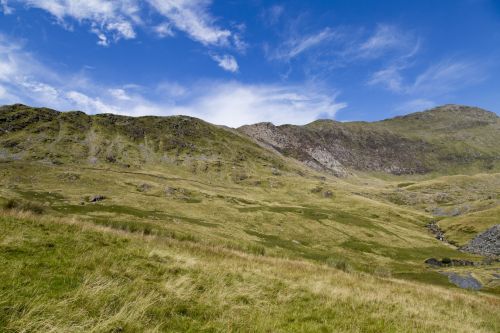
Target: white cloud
x,y
443,77
84,102
388,38
299,44
171,90
235,104
440,78
193,18
5,8
448,75
108,19
227,62
390,78
112,21
164,30
115,20
24,79
120,94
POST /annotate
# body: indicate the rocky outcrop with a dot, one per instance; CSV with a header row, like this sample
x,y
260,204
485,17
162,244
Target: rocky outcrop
x,y
486,243
417,143
448,262
335,147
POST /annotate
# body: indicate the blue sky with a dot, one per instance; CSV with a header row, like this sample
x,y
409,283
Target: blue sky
x,y
240,62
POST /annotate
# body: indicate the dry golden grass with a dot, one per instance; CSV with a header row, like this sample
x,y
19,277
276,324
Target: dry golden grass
x,y
118,281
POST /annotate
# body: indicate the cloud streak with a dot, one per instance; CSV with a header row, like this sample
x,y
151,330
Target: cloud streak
x,y
298,45
441,78
226,62
119,19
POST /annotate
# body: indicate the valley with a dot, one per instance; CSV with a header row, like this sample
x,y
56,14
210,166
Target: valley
x,y
158,223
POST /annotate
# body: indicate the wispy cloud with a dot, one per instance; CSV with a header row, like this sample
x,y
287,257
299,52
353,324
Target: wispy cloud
x,y
448,75
112,21
272,15
443,77
388,38
164,29
390,78
227,62
193,18
5,8
330,49
298,44
109,20
419,104
24,79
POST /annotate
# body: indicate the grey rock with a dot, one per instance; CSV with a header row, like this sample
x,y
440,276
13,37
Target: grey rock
x,y
433,262
464,281
96,198
434,228
486,243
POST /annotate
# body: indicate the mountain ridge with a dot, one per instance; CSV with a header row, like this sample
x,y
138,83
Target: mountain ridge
x,y
399,145
417,143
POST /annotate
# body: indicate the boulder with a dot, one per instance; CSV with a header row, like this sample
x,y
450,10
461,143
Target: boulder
x,y
96,198
486,243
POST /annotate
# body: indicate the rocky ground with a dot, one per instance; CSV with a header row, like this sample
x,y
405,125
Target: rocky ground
x,y
486,243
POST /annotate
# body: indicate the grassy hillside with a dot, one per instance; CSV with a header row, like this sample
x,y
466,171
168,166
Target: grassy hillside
x,y
115,224
67,275
446,140
464,205
53,137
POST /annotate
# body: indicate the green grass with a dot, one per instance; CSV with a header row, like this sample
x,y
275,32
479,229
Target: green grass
x,y
201,229
65,276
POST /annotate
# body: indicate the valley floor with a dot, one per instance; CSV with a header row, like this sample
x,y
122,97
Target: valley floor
x,y
67,275
114,249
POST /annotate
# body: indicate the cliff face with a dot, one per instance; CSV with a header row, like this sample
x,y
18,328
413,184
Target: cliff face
x,y
443,138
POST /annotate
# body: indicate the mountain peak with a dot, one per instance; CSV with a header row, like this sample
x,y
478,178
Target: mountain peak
x,y
456,112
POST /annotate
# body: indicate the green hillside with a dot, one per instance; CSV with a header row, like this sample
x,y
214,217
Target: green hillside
x,y
174,224
446,140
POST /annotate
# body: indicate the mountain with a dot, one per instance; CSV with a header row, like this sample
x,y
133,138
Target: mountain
x,y
175,224
73,137
447,139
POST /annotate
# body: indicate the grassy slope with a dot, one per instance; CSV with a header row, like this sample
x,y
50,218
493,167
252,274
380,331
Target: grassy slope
x,y
220,191
465,205
462,229
451,139
65,275
465,139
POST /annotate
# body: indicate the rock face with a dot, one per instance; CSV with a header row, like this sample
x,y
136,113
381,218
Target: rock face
x,y
413,144
486,243
336,147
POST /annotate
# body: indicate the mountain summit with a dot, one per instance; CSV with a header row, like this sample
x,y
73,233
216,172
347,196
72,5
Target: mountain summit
x,y
430,141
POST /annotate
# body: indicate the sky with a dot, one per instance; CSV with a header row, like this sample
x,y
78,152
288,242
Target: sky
x,y
241,62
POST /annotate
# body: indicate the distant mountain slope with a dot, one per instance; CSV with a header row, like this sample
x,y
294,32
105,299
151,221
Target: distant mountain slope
x,y
450,138
54,137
